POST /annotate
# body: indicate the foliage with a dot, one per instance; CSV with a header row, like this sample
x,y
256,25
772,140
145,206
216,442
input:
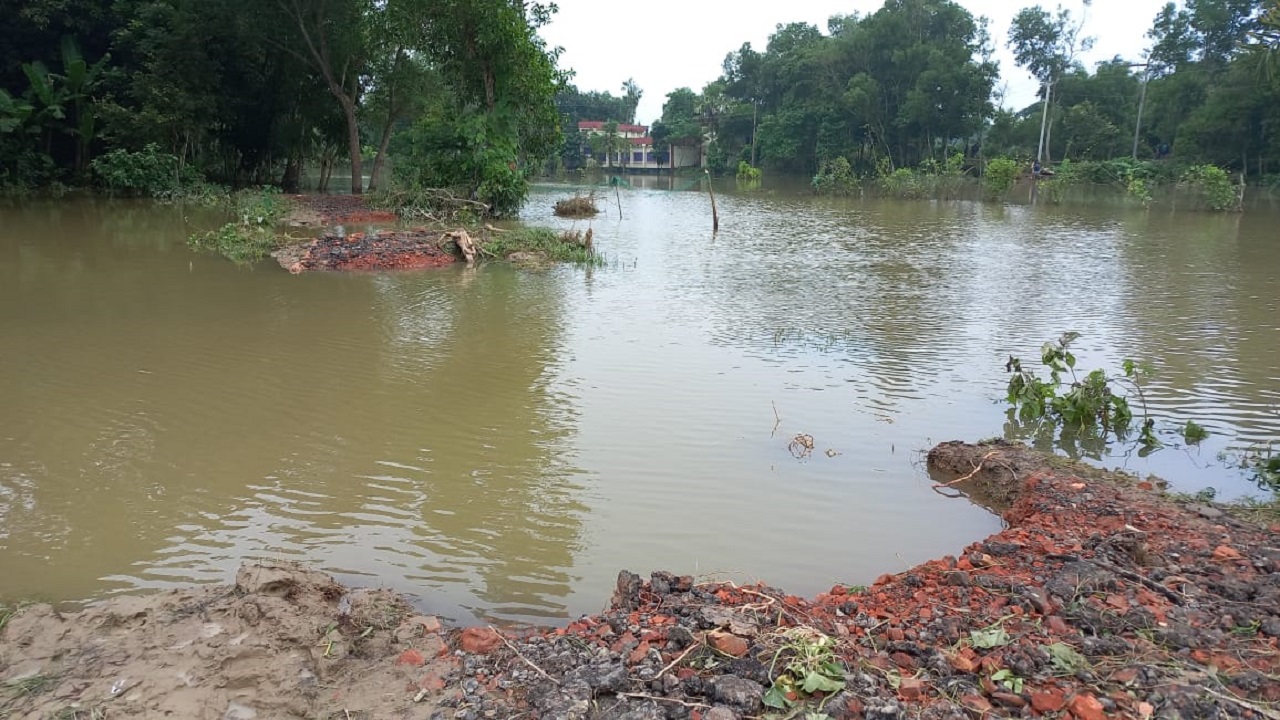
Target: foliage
x,y
992,637
149,171
809,664
1066,660
1214,187
1085,406
1194,433
999,177
836,178
251,235
246,93
573,247
1008,679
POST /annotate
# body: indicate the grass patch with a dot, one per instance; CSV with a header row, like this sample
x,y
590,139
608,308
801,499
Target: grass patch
x,y
251,235
6,614
420,204
33,685
578,206
574,247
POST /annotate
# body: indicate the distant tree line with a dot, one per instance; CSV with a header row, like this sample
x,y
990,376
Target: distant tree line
x,y
252,91
915,82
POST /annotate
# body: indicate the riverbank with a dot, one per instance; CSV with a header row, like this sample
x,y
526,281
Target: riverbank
x,y
1103,598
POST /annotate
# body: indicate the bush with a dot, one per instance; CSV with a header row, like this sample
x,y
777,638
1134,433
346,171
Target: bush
x,y
999,177
146,172
751,174
1214,187
835,177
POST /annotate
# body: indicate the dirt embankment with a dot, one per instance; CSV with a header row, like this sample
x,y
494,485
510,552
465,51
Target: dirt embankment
x,y
329,210
1102,599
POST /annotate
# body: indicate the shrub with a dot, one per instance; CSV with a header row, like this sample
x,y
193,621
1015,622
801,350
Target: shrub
x,y
749,173
146,172
835,177
999,177
1214,187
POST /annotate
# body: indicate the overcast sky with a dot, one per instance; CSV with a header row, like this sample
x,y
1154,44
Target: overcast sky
x,y
666,44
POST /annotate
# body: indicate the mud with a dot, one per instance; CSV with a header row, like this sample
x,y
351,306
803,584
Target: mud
x,y
329,210
381,250
1101,599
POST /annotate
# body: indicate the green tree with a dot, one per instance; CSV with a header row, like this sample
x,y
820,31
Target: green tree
x,y
1046,46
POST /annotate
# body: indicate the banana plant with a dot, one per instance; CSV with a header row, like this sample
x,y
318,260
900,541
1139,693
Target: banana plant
x,y
51,96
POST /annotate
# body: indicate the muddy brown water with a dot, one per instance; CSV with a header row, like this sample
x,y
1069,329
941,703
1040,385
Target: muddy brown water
x,y
498,443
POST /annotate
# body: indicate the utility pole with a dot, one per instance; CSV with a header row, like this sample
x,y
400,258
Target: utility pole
x,y
1142,101
1044,120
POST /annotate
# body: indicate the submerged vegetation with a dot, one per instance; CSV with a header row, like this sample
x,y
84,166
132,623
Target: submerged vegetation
x,y
534,244
251,234
578,206
1084,413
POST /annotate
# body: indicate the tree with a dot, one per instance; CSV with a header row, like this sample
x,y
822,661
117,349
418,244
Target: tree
x,y
631,94
1046,46
334,34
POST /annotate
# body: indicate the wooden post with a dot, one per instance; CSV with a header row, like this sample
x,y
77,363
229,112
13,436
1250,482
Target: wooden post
x,y
715,216
617,196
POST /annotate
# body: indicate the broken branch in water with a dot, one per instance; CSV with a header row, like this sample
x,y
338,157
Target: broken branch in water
x,y
976,469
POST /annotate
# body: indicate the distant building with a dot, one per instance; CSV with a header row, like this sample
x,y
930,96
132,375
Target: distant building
x,y
637,153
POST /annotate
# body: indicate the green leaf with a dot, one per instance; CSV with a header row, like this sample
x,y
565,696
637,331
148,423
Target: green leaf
x,y
815,681
1065,658
989,638
774,697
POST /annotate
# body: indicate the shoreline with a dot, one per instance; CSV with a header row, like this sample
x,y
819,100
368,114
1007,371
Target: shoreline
x,y
1102,598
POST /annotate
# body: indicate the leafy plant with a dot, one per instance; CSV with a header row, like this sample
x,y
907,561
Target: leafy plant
x,y
1076,404
146,172
809,665
1008,679
835,177
1214,187
999,177
1194,433
748,173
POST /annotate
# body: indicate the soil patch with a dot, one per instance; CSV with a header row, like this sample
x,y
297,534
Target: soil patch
x,y
381,250
1102,599
330,210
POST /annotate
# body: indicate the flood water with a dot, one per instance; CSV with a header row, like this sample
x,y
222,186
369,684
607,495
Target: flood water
x,y
498,443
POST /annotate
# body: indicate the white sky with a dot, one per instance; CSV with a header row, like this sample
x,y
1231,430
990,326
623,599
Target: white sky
x,y
666,44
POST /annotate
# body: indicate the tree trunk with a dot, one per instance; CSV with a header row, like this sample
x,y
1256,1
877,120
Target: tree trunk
x,y
353,142
755,109
375,172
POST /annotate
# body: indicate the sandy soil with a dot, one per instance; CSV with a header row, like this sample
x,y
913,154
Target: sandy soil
x,y
1102,599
